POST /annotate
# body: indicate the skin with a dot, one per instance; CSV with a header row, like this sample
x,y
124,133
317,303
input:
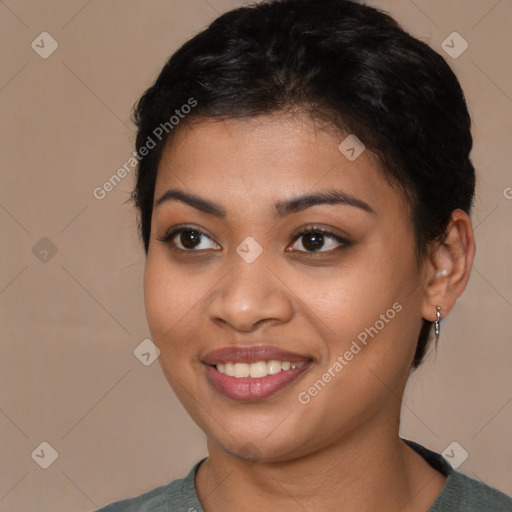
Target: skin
x,y
327,455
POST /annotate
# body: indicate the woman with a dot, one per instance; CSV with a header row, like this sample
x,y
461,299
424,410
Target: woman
x,y
304,190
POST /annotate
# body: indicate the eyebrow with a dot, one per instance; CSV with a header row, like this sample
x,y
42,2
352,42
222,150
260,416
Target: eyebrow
x,y
281,208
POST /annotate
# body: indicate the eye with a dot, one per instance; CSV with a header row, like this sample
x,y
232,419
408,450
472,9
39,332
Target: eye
x,y
190,239
315,239
187,239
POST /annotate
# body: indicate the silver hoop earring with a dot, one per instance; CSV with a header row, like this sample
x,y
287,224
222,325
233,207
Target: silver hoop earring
x,y
437,324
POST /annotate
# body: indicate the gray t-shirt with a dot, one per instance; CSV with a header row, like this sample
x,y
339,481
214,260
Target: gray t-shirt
x,y
459,494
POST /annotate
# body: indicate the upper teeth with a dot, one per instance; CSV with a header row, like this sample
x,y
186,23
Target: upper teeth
x,y
256,370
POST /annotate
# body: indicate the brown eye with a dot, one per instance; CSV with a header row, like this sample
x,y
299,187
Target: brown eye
x,y
314,240
188,240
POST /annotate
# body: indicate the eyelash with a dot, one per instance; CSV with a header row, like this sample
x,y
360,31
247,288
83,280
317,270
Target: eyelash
x,y
344,243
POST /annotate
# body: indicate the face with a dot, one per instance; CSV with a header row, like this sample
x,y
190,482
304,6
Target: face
x,y
284,324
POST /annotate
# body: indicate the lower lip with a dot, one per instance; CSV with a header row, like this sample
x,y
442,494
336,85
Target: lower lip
x,y
249,389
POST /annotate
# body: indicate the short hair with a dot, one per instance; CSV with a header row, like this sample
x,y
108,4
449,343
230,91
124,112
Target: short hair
x,y
349,65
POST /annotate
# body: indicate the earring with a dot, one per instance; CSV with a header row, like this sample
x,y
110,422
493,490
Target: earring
x,y
437,324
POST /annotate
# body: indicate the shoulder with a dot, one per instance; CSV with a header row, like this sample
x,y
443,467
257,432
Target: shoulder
x,y
176,496
155,500
465,494
460,492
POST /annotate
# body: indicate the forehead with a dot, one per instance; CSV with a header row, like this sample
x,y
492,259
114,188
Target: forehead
x,y
268,158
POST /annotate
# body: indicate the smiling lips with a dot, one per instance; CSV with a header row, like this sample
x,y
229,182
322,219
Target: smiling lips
x,y
253,373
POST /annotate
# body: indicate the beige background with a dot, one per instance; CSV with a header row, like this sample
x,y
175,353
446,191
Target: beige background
x,y
70,321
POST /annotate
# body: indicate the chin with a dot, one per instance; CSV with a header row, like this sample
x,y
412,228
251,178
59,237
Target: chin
x,y
251,444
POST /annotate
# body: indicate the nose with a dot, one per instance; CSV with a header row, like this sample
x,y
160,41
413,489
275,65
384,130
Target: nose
x,y
251,294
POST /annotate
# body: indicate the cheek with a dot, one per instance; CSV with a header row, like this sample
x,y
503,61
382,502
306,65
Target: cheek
x,y
352,296
172,299
167,301
155,285
371,303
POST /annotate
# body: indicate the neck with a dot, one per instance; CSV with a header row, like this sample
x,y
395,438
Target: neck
x,y
366,471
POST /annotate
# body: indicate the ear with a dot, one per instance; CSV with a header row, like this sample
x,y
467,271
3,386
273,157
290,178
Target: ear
x,y
449,266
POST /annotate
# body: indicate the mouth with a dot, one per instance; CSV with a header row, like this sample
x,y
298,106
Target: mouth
x,y
258,369
253,373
